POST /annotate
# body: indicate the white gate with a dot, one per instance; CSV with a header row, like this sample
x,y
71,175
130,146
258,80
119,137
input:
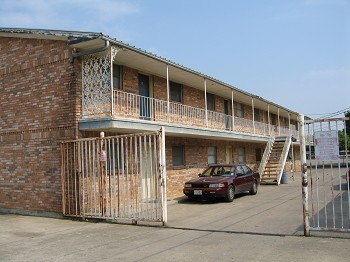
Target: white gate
x,y
119,177
325,159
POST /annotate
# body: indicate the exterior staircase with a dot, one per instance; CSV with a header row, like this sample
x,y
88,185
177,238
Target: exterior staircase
x,y
274,159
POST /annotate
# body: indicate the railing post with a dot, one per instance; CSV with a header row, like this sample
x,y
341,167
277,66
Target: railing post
x,y
304,180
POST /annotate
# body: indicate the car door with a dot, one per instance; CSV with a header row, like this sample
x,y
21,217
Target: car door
x,y
248,178
239,179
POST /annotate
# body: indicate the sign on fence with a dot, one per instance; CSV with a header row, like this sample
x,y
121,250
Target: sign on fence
x,y
326,145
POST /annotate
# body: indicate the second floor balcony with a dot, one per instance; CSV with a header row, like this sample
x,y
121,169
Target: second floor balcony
x,y
140,108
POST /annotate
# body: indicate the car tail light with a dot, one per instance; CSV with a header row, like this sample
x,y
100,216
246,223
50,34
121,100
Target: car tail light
x,y
188,185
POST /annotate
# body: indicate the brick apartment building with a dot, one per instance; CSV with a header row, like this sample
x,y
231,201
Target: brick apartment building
x,y
63,85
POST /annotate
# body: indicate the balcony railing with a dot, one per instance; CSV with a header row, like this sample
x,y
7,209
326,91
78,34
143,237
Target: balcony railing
x,y
129,105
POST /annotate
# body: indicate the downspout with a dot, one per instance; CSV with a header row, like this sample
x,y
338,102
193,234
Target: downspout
x,y
76,54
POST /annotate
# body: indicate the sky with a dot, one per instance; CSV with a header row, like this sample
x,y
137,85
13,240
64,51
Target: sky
x,y
295,53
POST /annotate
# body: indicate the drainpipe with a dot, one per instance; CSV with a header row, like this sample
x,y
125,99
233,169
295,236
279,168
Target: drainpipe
x,y
167,90
76,54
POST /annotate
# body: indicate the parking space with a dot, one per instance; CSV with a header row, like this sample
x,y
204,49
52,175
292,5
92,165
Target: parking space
x,y
274,210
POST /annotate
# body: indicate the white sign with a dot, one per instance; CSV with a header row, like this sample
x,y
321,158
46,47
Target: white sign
x,y
326,145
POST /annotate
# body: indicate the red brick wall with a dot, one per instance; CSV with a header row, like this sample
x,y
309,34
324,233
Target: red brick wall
x,y
39,106
196,159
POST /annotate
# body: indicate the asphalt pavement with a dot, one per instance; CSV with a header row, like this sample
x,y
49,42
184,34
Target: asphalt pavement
x,y
265,227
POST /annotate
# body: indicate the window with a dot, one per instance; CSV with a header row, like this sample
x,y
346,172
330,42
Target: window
x,y
175,92
212,155
240,112
241,155
273,119
258,154
210,102
117,77
178,156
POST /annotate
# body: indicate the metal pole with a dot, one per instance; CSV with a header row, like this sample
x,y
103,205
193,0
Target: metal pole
x,y
163,166
304,181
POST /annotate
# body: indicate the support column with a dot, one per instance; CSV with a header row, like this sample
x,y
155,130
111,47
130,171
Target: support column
x,y
233,111
167,90
113,51
268,118
253,112
278,119
205,99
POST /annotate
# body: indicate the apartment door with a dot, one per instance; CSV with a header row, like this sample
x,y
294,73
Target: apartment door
x,y
227,113
144,97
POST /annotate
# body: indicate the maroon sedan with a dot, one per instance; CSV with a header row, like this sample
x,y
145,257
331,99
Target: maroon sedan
x,y
223,181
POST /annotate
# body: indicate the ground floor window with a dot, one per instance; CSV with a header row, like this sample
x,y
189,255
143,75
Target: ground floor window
x,y
212,155
241,155
178,155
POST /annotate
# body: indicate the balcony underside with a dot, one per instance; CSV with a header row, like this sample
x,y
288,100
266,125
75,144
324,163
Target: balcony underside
x,y
127,126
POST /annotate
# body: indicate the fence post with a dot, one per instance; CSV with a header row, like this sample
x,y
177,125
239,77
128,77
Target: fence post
x,y
163,175
304,181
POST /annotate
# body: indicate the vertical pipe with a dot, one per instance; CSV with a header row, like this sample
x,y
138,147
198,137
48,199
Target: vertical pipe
x,y
205,101
304,176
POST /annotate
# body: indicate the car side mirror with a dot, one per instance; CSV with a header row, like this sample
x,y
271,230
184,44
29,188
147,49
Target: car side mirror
x,y
199,174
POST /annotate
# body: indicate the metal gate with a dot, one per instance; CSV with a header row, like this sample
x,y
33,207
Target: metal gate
x,y
325,159
119,177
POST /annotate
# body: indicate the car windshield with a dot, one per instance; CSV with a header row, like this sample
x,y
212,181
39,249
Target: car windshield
x,y
218,171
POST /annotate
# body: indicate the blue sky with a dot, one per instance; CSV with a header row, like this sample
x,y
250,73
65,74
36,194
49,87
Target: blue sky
x,y
295,53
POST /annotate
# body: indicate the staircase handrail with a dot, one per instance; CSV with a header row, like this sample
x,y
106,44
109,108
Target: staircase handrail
x,y
266,156
283,157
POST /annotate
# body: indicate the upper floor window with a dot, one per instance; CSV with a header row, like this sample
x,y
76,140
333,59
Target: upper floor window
x,y
117,76
210,102
240,110
175,92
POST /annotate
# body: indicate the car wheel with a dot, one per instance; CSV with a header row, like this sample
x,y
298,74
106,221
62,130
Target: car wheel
x,y
254,189
230,194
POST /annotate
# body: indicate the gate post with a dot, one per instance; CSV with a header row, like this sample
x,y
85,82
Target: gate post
x,y
163,176
304,181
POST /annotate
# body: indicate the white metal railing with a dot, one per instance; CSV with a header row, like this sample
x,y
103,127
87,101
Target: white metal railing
x,y
140,107
266,156
283,157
